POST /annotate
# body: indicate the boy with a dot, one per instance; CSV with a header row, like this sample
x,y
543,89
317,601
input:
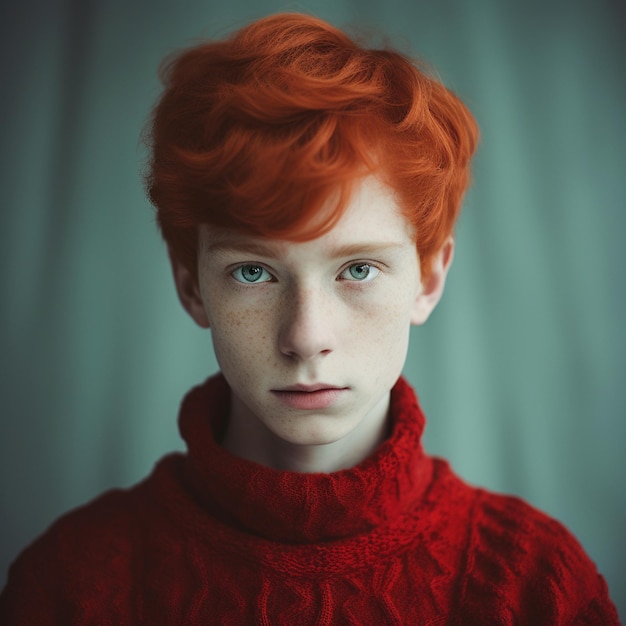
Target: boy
x,y
307,190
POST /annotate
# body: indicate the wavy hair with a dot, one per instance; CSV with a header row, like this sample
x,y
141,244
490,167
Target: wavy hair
x,y
259,131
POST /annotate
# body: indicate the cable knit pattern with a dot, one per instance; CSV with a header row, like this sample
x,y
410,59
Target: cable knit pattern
x,y
209,538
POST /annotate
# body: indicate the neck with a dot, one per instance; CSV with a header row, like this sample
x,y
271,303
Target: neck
x,y
248,438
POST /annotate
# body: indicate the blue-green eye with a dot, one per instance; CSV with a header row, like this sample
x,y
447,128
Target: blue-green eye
x,y
361,272
251,274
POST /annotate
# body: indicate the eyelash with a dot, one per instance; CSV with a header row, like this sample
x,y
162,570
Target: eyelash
x,y
373,272
240,269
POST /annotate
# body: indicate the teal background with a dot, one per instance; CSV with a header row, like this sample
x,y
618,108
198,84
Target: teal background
x,y
521,370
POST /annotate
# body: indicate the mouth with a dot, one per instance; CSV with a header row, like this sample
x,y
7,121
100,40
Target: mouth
x,y
309,397
309,388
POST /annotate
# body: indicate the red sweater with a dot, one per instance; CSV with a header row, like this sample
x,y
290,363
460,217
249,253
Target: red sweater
x,y
209,538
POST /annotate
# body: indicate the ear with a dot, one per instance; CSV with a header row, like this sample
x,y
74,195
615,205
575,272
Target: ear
x,y
432,288
188,291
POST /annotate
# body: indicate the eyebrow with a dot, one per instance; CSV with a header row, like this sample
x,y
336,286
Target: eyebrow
x,y
272,252
249,247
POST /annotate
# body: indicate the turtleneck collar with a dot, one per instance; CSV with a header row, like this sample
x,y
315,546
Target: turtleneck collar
x,y
294,507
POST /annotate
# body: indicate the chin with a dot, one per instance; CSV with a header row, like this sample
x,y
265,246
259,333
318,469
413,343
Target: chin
x,y
313,433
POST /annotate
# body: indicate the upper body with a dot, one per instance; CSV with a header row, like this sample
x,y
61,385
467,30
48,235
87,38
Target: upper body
x,y
210,538
307,188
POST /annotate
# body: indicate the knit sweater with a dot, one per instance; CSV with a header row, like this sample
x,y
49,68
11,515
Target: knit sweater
x,y
209,538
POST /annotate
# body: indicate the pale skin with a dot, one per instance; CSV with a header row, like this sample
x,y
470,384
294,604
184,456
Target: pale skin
x,y
311,336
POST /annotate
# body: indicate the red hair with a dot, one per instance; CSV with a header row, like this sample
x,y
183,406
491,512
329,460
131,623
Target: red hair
x,y
258,131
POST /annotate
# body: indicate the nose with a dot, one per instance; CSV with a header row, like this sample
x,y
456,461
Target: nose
x,y
307,325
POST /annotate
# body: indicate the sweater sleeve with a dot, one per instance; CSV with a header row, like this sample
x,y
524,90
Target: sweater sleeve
x,y
32,594
78,572
523,567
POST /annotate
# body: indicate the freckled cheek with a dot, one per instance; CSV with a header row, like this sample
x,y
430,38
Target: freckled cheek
x,y
240,336
384,330
390,308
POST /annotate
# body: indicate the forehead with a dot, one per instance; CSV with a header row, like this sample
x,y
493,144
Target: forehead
x,y
372,219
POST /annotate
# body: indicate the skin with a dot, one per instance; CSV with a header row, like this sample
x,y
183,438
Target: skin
x,y
335,310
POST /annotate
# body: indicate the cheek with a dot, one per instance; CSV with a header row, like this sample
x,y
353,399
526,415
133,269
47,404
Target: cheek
x,y
240,337
383,330
394,335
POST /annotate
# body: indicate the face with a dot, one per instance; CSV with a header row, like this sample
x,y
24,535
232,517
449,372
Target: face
x,y
311,336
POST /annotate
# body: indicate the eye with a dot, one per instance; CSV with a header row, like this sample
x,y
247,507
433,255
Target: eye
x,y
360,272
251,274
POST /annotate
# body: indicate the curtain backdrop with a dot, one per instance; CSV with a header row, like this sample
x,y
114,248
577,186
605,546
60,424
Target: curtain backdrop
x,y
521,370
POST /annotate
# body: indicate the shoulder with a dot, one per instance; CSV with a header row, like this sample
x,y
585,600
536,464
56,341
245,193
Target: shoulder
x,y
83,562
529,566
508,527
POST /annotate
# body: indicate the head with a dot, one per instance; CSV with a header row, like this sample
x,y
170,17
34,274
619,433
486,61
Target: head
x,y
307,188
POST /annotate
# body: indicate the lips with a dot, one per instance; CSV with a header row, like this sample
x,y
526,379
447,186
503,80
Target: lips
x,y
309,388
309,397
